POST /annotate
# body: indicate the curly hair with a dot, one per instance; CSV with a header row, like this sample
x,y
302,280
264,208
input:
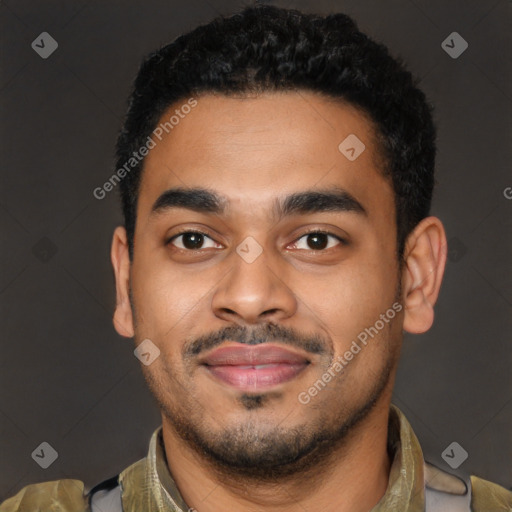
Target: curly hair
x,y
266,48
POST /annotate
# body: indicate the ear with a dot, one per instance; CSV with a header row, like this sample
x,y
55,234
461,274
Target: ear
x,y
123,315
422,274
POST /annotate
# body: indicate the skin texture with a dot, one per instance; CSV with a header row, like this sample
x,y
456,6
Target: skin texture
x,y
229,449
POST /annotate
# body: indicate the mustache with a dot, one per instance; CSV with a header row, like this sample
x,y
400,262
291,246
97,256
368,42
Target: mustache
x,y
312,343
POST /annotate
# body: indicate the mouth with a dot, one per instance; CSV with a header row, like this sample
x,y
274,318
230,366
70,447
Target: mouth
x,y
254,368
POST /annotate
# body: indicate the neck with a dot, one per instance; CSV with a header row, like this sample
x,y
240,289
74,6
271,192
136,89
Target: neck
x,y
354,478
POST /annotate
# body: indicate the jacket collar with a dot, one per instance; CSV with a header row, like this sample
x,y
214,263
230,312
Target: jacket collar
x,y
148,484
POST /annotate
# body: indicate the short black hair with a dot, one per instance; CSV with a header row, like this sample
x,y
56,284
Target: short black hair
x,y
266,48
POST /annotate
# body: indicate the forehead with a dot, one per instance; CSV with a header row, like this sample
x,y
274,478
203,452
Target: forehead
x,y
253,149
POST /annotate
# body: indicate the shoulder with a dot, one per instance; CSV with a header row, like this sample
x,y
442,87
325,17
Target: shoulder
x,y
57,496
488,496
445,491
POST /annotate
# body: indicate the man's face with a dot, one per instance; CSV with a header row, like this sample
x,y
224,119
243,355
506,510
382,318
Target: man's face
x,y
246,326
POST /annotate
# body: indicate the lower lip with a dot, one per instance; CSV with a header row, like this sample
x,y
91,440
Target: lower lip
x,y
251,379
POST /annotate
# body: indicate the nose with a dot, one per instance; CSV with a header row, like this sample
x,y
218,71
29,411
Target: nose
x,y
253,293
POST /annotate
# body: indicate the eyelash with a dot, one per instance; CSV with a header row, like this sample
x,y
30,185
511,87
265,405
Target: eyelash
x,y
342,241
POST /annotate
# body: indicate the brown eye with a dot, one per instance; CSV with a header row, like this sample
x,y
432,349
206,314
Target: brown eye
x,y
317,241
193,241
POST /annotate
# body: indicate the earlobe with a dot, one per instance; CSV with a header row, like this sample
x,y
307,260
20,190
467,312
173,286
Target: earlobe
x,y
425,260
123,315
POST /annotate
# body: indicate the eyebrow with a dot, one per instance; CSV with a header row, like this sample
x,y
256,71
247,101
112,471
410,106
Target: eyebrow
x,y
202,200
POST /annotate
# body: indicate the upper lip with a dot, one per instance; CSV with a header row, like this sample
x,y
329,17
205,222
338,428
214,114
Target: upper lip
x,y
247,355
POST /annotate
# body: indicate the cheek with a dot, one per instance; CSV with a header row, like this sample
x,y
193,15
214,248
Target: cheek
x,y
166,298
351,300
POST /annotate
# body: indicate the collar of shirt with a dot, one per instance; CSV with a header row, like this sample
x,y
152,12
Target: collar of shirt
x,y
148,484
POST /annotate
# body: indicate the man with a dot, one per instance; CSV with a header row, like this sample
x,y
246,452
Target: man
x,y
276,172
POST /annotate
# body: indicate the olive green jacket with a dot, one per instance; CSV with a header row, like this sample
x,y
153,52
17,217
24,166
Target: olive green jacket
x,y
147,485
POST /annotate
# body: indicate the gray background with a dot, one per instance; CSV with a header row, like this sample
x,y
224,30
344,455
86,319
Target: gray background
x,y
68,379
